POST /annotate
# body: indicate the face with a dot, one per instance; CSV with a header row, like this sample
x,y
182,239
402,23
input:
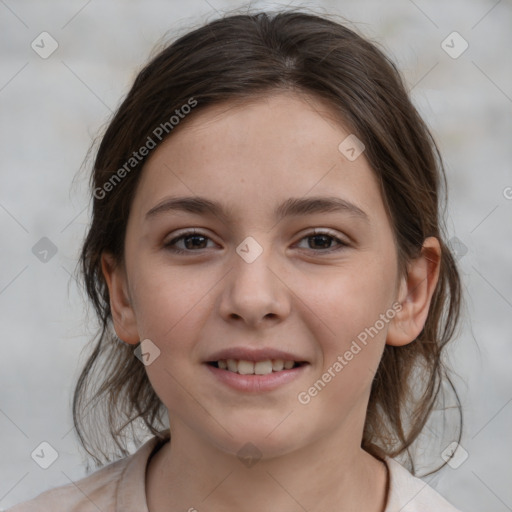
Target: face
x,y
262,278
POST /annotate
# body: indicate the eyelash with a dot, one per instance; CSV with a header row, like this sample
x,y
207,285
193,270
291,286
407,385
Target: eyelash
x,y
316,232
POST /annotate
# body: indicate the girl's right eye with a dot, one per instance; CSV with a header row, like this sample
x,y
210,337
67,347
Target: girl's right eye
x,y
193,234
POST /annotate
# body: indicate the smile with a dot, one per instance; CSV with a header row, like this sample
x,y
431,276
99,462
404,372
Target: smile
x,y
255,376
244,367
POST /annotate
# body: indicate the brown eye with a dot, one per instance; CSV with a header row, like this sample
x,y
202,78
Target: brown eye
x,y
320,241
192,241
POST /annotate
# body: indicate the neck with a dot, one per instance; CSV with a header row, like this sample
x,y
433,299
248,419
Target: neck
x,y
190,473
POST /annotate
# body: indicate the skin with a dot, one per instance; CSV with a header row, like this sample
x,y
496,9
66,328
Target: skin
x,y
296,296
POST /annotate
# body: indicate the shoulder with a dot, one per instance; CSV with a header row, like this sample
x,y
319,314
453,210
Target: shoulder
x,y
108,489
94,492
408,493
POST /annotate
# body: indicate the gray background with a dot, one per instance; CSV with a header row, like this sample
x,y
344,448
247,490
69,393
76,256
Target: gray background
x,y
52,108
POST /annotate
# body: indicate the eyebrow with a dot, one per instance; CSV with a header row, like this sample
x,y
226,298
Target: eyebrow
x,y
290,207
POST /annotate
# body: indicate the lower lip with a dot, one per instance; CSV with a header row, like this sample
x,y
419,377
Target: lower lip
x,y
257,383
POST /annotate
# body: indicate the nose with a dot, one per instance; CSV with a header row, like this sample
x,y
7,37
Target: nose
x,y
255,292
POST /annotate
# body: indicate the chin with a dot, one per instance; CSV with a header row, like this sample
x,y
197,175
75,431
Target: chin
x,y
264,439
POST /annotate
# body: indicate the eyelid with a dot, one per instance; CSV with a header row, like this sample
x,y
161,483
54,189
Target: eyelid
x,y
342,237
186,232
324,231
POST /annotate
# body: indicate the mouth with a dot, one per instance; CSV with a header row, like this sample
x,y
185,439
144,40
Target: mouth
x,y
264,367
254,377
255,370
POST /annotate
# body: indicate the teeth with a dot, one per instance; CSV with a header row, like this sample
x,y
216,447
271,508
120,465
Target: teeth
x,y
263,367
244,367
277,365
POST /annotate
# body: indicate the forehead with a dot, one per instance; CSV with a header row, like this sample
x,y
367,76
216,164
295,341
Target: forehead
x,y
252,155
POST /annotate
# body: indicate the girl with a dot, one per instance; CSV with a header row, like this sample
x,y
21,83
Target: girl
x,y
269,267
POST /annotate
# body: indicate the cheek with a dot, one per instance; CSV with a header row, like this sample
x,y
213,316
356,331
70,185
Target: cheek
x,y
351,341
355,308
170,310
165,299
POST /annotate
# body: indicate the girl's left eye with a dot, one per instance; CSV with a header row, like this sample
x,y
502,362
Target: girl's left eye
x,y
326,236
197,239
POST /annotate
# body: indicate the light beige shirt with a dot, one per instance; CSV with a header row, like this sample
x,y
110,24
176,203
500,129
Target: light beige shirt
x,y
120,487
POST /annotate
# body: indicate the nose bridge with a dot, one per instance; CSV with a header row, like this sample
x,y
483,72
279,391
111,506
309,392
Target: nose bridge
x,y
254,291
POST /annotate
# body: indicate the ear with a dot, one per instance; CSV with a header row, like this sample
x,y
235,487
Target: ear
x,y
123,315
415,293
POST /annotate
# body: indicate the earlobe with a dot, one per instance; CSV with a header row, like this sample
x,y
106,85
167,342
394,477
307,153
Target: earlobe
x,y
415,294
123,315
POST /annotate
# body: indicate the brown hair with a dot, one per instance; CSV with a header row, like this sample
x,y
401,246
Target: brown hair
x,y
236,58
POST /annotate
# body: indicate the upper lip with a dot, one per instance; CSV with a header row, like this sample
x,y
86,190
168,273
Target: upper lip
x,y
254,354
